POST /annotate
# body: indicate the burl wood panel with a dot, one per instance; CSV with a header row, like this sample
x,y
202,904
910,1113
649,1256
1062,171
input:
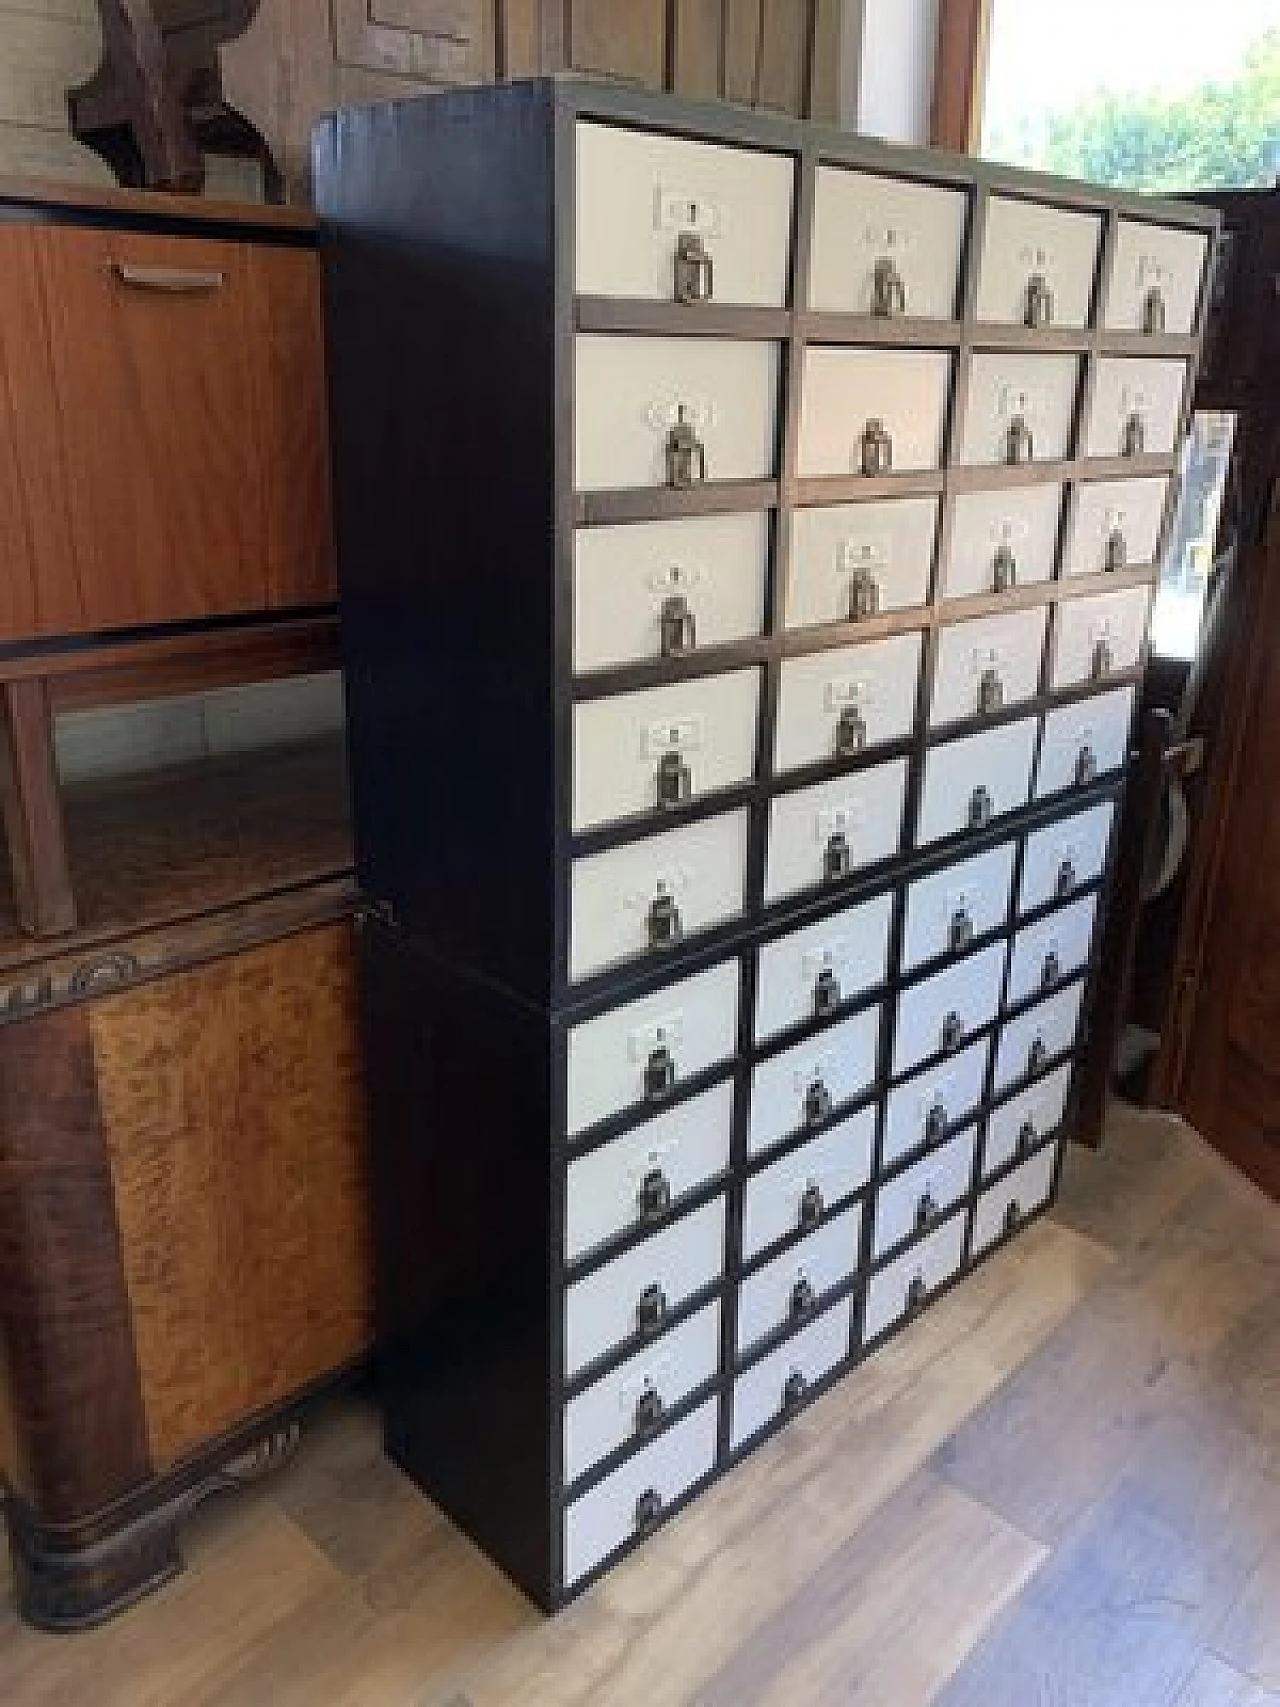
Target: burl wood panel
x,y
233,1119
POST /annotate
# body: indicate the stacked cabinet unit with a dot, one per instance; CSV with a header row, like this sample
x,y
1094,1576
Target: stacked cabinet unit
x,y
747,536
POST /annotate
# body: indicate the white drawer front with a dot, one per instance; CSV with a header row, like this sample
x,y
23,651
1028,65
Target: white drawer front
x,y
922,1194
604,1310
946,911
703,574
975,779
1135,408
884,245
1063,855
1084,741
944,1011
1025,1120
1155,275
833,704
785,1289
629,900
1002,539
843,391
1037,264
1095,637
799,1086
1003,1207
903,1285
810,972
629,393
1036,1036
987,664
605,1516
1019,408
779,1380
1050,950
639,194
610,1189
846,557
780,1199
820,834
623,1404
919,1111
1113,524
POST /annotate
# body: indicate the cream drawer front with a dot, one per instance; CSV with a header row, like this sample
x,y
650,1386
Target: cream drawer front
x,y
1084,741
850,559
616,1509
1113,524
821,834
779,1381
809,972
801,1085
637,753
902,1286
1057,859
644,590
630,1181
1002,539
844,392
944,1011
1094,638
642,197
1019,408
987,664
922,1109
628,1403
1003,1207
786,1289
609,1308
971,781
917,1198
638,899
1155,278
1136,405
1051,949
946,911
1035,1037
629,393
1026,1120
833,704
782,1198
884,246
1037,265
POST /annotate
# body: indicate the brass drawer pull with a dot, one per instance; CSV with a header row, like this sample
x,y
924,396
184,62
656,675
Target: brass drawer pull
x,y
651,1310
935,1123
1103,660
990,693
1037,1055
1039,307
817,1103
888,293
916,1293
1153,312
837,861
826,993
1065,881
803,1297
864,596
175,281
694,271
1086,766
1004,569
654,1197
794,1389
678,628
1012,1215
659,1074
1019,444
960,930
1050,971
980,808
811,1205
927,1211
876,448
1116,553
648,1511
851,733
1026,1138
673,784
686,454
1134,440
665,928
952,1032
649,1409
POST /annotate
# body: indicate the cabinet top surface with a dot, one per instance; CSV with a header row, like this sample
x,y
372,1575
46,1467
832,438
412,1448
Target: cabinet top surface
x,y
41,201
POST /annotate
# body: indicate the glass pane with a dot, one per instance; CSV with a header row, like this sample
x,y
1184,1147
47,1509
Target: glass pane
x,y
1184,573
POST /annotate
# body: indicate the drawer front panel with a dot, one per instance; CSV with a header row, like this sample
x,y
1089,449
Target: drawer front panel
x,y
1036,1036
1002,539
833,704
946,911
845,392
921,1195
1155,277
1095,637
1051,949
901,1286
987,664
973,780
945,1010
809,972
925,1106
785,1289
1063,855
799,1086
1135,408
821,834
768,1389
1005,1205
780,1199
847,559
884,246
1113,524
1019,408
1025,1120
1084,741
1037,265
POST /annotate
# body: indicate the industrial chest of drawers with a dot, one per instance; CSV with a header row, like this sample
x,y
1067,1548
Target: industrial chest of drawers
x,y
747,535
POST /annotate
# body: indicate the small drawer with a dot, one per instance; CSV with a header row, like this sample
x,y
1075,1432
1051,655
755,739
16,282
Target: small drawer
x,y
947,911
1019,1125
664,219
1038,264
630,1501
778,1383
645,897
1136,406
1062,856
801,1086
873,412
631,1297
632,1181
970,782
1019,408
850,561
821,834
673,411
942,1013
1155,278
787,1289
833,705
884,246
1113,524
1095,637
1003,1208
1050,950
903,1286
1035,1037
791,1194
1085,741
921,1111
923,1194
808,973
645,590
631,1401
1002,539
987,665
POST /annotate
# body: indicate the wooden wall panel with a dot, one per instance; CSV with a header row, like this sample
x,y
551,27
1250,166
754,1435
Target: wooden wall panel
x,y
45,46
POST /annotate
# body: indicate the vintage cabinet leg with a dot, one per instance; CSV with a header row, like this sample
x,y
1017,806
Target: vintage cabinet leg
x,y
33,821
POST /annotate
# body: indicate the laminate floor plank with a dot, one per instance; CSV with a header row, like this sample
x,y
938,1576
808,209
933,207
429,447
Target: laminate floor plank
x,y
1213,1683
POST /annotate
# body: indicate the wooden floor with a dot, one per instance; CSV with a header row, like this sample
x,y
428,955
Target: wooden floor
x,y
1061,1486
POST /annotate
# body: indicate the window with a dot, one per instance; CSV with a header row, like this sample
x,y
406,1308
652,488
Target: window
x,y
1188,558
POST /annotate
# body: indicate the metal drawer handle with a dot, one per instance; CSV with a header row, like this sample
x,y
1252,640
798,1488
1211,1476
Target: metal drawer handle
x,y
837,861
694,271
794,1389
1039,305
1051,971
888,293
1065,881
1134,439
935,1123
659,1074
1116,552
678,630
1102,661
811,1205
1037,1055
826,993
926,1211
916,1292
960,930
980,808
1012,1215
651,1310
673,783
649,1409
648,1511
952,1031
1026,1137
1004,569
686,454
1086,765
990,693
851,733
175,281
876,448
654,1197
1019,444
817,1103
864,596
1153,312
665,928
803,1297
